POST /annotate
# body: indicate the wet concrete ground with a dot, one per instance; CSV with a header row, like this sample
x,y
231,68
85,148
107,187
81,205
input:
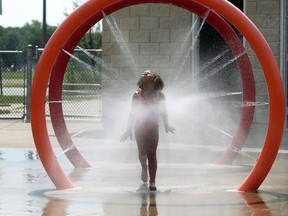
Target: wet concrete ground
x,y
188,182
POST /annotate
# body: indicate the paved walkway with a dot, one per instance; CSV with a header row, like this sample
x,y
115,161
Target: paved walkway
x,y
188,184
17,134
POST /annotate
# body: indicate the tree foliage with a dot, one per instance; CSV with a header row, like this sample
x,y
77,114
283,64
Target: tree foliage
x,y
18,38
93,37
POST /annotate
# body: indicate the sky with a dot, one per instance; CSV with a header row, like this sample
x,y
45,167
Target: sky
x,y
16,13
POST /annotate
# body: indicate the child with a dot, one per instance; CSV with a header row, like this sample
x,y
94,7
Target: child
x,y
148,104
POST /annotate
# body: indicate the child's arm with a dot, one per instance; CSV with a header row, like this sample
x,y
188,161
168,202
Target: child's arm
x,y
128,132
164,115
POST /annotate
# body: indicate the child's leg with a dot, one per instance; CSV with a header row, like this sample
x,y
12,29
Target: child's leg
x,y
142,155
152,158
143,162
152,166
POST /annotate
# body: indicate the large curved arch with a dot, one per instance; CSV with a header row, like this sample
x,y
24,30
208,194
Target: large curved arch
x,y
274,86
224,29
76,20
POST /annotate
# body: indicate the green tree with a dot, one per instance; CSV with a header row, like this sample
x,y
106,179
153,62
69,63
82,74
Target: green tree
x,y
32,33
93,37
12,39
17,38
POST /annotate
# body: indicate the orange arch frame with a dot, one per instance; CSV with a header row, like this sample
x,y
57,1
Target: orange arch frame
x,y
216,21
224,8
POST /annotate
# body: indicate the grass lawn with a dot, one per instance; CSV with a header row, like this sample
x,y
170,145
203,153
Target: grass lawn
x,y
11,99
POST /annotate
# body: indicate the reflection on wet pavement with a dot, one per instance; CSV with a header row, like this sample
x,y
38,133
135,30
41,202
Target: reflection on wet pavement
x,y
111,187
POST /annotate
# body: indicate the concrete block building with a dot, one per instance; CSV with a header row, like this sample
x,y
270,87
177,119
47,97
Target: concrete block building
x,y
179,45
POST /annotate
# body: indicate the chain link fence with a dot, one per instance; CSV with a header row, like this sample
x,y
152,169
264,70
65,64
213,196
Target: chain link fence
x,y
81,92
12,84
81,88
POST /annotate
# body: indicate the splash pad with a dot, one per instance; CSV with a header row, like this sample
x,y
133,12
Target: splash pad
x,y
53,63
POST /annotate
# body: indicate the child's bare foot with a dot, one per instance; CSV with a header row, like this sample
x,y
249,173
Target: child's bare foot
x,y
144,176
144,186
152,186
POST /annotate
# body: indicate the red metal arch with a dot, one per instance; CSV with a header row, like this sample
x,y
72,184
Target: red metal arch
x,y
83,14
224,29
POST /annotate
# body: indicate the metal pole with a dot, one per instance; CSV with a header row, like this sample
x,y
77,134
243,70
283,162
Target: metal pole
x,y
0,7
283,45
36,54
44,27
29,80
1,80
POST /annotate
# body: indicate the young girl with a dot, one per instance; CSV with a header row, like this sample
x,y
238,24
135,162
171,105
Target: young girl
x,y
148,104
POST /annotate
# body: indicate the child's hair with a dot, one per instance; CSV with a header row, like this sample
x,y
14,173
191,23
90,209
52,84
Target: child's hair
x,y
158,82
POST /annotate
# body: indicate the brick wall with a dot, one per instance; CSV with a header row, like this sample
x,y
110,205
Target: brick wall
x,y
156,37
265,14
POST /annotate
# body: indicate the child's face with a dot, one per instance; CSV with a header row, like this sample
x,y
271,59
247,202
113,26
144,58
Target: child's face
x,y
148,80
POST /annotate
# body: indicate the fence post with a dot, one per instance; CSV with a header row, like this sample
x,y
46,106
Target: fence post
x,y
36,54
1,80
29,80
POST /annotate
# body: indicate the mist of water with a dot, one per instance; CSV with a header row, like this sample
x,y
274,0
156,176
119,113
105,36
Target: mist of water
x,y
202,118
221,67
213,60
187,52
66,150
95,58
83,63
111,21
